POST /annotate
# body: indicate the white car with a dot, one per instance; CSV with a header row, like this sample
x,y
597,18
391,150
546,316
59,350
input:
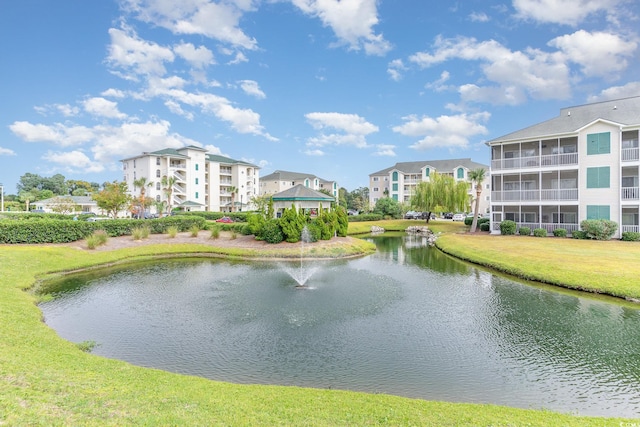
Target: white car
x,y
459,217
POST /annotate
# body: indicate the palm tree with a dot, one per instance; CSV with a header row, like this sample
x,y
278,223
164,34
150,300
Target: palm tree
x,y
167,183
234,191
476,176
141,183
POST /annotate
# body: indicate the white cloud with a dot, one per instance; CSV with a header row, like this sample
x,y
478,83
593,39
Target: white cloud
x,y
198,57
102,107
352,22
395,69
113,93
314,153
212,149
133,54
445,131
6,152
176,108
218,21
59,134
598,53
321,140
617,92
252,88
73,161
350,123
568,12
238,59
439,85
478,17
385,150
537,74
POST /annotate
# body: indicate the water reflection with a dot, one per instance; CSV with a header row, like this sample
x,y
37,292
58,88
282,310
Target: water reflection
x,y
408,320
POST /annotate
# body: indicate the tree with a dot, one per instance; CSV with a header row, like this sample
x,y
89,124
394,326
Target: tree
x,y
80,188
160,205
63,205
440,193
388,207
113,198
142,202
233,190
476,176
167,183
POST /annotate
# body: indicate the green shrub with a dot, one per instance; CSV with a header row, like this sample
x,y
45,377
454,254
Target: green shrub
x,y
483,221
468,221
101,236
599,229
141,232
580,235
539,232
314,232
92,242
485,226
524,231
507,227
215,233
194,230
234,235
630,236
246,230
292,223
271,231
172,231
342,220
560,232
365,217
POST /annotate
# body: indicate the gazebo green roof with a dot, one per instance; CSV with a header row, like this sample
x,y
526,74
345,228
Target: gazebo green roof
x,y
301,193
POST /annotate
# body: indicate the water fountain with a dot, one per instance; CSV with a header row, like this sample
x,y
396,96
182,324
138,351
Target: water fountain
x,y
301,273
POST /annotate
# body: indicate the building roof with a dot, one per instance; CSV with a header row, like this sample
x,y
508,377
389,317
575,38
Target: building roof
x,y
625,111
279,175
438,165
222,159
300,192
189,203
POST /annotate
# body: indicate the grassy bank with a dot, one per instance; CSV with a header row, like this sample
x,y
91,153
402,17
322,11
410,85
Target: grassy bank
x,y
45,380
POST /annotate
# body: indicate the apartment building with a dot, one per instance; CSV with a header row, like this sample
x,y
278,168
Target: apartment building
x,y
582,164
400,180
202,181
279,181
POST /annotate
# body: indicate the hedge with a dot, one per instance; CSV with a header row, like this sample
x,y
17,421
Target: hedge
x,y
365,217
212,216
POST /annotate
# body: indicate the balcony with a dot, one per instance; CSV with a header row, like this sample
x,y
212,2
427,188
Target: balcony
x,y
630,193
565,194
630,154
546,160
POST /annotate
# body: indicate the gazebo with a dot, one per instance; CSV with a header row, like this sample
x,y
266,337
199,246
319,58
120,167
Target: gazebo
x,y
303,198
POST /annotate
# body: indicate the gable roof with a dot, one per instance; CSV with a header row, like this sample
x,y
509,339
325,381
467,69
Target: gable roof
x,y
222,159
438,165
78,200
625,112
279,175
300,192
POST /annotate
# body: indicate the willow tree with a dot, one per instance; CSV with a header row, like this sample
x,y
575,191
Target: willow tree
x,y
476,176
441,193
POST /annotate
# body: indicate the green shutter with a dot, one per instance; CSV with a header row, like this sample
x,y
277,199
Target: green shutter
x,y
426,172
604,143
394,177
598,211
604,177
395,187
592,212
460,173
592,177
592,143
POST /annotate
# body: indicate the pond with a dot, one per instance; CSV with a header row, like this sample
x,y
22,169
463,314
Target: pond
x,y
408,320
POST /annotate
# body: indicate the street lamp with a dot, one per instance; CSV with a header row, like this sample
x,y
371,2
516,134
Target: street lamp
x,y
240,202
1,197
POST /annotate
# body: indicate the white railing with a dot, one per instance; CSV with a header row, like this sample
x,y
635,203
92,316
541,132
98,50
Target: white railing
x,y
632,228
536,161
630,154
534,195
630,193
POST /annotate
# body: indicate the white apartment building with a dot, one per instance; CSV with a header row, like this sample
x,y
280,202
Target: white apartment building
x,y
583,164
279,181
203,182
400,180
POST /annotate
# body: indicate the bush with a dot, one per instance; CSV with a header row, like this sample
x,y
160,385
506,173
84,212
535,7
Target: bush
x,y
92,242
507,227
194,230
141,232
630,236
524,231
599,229
215,233
560,232
485,226
539,232
365,217
314,232
172,231
468,220
44,230
271,232
580,235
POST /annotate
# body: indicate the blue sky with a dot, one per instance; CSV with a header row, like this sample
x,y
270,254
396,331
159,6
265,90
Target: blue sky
x,y
339,89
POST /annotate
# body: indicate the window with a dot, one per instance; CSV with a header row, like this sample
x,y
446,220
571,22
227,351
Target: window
x,y
460,173
157,186
124,166
157,161
134,163
394,176
426,171
306,182
196,194
629,181
375,179
395,187
158,173
158,198
597,212
376,189
196,181
196,166
599,143
564,218
598,177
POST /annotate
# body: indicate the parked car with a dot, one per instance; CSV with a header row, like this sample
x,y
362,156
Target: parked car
x,y
352,212
225,219
458,217
448,215
413,215
96,218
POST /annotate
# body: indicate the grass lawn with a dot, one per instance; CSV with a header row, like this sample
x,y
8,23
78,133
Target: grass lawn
x,y
45,380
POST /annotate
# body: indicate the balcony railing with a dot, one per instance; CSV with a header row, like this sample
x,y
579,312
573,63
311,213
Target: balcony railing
x,y
632,228
567,194
630,154
546,160
630,193
546,225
